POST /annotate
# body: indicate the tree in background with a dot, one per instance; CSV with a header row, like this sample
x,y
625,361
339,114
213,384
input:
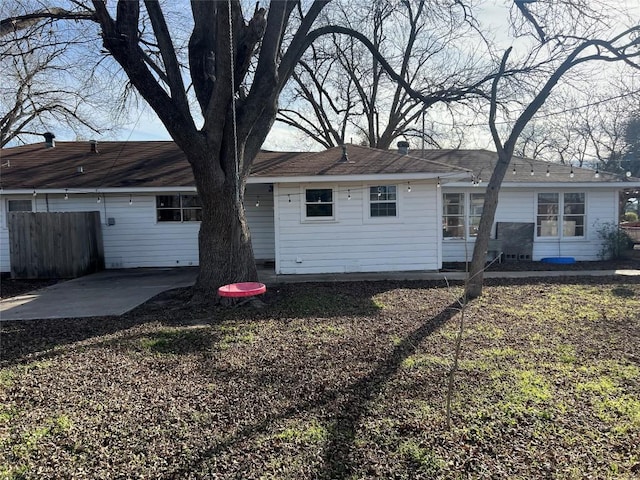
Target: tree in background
x,y
341,89
567,36
47,85
630,158
582,128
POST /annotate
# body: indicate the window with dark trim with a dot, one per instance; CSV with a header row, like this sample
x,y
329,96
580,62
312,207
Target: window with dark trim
x,y
383,201
318,203
178,208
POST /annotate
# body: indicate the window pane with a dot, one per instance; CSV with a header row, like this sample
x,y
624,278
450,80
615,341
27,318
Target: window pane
x,y
319,202
453,220
456,198
547,228
453,227
474,222
383,209
573,220
19,205
547,208
169,215
453,209
192,215
477,202
318,195
168,201
573,198
319,210
547,219
382,193
190,201
548,198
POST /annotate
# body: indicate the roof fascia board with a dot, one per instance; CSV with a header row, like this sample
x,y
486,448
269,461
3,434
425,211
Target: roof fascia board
x,y
81,191
355,178
620,185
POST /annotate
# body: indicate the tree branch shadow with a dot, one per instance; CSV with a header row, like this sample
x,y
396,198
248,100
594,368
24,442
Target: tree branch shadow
x,y
362,392
350,402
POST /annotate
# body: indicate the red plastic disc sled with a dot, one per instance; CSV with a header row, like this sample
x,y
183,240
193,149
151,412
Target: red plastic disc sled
x,y
244,289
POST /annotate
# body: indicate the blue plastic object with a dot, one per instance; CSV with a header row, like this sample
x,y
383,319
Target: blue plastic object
x,y
559,260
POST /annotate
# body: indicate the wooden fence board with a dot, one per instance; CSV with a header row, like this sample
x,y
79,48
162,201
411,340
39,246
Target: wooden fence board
x,y
55,244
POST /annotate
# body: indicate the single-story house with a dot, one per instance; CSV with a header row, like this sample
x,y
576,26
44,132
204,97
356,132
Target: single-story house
x,y
346,209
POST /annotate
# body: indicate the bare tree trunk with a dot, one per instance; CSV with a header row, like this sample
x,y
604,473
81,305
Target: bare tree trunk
x,y
226,254
479,258
224,240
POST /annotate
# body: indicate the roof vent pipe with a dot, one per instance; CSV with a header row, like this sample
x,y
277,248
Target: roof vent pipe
x,y
403,147
49,141
93,145
345,157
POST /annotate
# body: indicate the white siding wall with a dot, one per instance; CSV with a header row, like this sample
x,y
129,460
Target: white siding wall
x,y
519,206
137,239
353,242
260,221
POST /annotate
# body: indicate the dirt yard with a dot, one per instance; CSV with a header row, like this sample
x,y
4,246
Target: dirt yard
x,y
331,381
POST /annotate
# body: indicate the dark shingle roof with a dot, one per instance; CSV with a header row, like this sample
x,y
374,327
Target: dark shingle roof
x,y
482,163
153,164
360,161
115,164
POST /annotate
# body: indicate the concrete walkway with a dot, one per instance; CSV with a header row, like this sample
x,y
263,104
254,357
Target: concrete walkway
x,y
111,292
114,292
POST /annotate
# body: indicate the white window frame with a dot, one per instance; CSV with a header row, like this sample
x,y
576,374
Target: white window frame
x,y
466,215
560,233
304,204
370,202
181,208
471,214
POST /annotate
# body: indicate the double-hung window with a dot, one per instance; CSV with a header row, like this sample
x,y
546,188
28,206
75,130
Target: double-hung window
x,y
453,225
383,201
178,208
553,208
461,214
318,203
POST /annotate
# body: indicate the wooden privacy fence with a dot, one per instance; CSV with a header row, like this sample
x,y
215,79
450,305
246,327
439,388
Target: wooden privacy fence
x,y
55,244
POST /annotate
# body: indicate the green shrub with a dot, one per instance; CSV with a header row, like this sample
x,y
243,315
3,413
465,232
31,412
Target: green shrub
x,y
615,241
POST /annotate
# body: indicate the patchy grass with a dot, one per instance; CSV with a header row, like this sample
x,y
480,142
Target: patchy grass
x,y
341,381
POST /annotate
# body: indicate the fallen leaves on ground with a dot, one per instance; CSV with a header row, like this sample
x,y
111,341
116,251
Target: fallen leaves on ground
x,y
332,381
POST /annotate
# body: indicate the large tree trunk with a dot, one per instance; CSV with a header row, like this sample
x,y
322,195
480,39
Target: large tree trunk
x,y
224,240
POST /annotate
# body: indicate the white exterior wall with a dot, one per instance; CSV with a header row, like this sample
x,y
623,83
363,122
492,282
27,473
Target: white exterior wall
x,y
520,206
602,207
260,221
137,239
354,242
